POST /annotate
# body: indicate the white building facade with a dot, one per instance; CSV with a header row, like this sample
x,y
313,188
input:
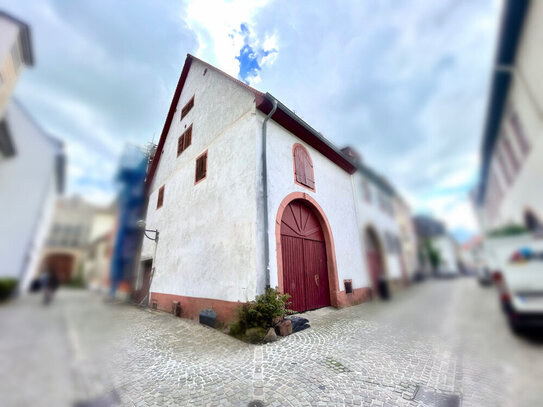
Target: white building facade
x,y
234,218
512,153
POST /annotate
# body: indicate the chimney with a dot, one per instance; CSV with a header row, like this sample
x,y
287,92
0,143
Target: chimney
x,y
352,154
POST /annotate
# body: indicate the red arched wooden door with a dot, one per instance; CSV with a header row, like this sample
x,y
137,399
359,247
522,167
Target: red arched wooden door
x,y
305,273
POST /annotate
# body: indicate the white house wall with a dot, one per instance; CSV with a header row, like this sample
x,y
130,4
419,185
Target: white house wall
x,y
370,214
334,194
26,183
207,231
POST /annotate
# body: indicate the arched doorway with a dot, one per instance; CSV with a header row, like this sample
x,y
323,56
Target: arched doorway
x,y
304,257
374,258
61,265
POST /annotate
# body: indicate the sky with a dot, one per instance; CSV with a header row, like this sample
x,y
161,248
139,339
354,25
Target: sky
x,y
403,82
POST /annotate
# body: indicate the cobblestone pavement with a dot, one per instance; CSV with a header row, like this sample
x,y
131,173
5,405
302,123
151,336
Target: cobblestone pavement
x,y
441,337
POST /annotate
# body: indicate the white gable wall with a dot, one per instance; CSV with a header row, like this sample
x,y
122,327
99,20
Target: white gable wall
x,y
207,231
334,194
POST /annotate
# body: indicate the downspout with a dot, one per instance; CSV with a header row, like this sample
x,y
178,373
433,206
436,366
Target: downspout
x,y
265,193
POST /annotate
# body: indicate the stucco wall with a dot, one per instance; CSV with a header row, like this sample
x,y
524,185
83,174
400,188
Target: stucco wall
x,y
207,231
333,193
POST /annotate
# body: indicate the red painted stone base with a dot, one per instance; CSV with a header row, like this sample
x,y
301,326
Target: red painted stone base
x,y
191,306
227,310
358,296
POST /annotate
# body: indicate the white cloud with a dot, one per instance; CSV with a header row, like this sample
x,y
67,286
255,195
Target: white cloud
x,y
217,25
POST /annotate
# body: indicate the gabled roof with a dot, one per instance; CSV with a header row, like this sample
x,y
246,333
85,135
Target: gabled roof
x,y
264,102
24,35
513,16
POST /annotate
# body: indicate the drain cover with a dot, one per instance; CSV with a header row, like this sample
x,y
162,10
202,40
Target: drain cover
x,y
255,403
433,398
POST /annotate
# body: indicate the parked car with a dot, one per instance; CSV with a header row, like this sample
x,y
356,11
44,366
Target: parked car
x,y
521,291
484,275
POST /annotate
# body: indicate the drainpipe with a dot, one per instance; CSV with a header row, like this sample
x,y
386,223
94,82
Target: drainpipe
x,y
265,193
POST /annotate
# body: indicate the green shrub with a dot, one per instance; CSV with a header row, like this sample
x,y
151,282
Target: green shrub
x,y
260,313
255,335
78,281
7,286
508,230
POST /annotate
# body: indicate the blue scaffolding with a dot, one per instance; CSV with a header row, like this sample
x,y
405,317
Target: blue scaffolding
x,y
130,179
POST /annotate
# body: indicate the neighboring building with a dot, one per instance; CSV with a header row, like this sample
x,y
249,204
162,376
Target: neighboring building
x,y
236,215
376,218
99,251
428,227
471,254
68,239
448,254
15,52
408,236
509,191
31,164
131,202
433,232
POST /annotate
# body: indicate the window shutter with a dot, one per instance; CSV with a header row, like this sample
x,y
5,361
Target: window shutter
x,y
188,138
299,165
160,199
308,171
187,107
180,143
201,167
303,168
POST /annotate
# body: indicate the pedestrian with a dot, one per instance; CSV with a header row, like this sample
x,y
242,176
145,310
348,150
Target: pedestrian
x,y
50,284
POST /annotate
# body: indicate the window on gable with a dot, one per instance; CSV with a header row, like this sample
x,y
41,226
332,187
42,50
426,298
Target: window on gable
x,y
303,167
184,140
187,107
201,168
518,129
510,153
160,198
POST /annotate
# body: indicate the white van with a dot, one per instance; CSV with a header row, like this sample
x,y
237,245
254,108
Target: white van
x,y
520,282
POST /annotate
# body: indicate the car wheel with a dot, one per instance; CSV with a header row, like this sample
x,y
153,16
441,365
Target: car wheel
x,y
515,327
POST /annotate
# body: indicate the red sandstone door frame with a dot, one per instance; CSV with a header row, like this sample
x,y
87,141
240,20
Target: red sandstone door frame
x,y
328,238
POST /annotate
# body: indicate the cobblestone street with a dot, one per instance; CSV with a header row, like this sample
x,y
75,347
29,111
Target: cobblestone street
x,y
440,337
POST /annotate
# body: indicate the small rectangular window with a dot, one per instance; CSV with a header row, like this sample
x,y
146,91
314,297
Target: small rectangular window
x,y
184,141
187,108
160,199
518,129
201,168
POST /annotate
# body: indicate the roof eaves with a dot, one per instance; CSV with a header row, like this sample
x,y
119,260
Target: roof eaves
x,y
292,122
